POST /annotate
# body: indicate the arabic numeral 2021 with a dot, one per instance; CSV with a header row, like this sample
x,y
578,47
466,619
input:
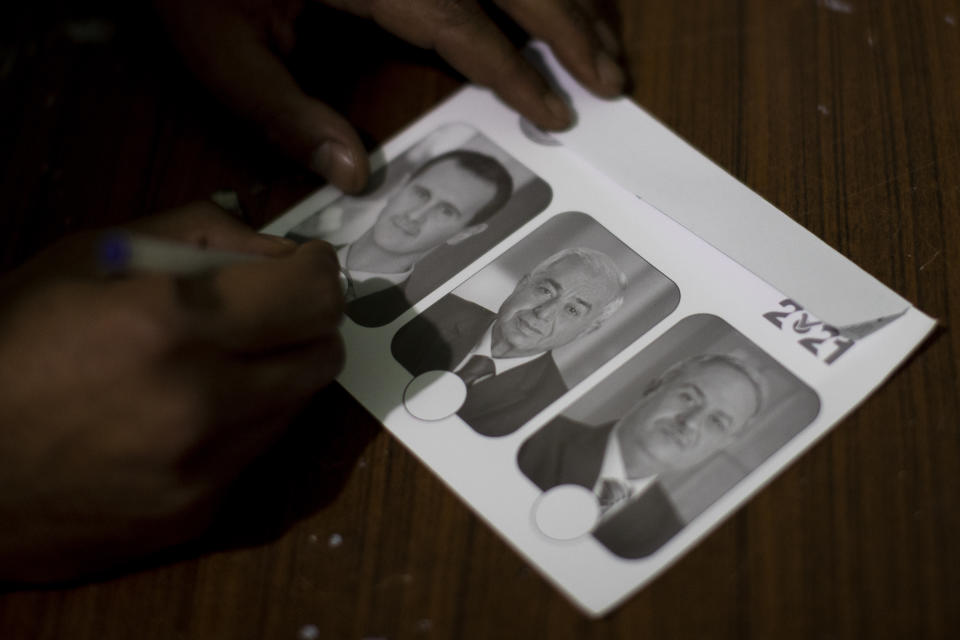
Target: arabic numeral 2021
x,y
822,340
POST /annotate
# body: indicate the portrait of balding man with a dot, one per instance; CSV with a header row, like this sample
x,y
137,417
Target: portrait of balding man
x,y
504,356
445,201
691,411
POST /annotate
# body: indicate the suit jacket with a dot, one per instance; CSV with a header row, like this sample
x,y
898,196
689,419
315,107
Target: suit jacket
x,y
342,223
378,308
565,451
442,336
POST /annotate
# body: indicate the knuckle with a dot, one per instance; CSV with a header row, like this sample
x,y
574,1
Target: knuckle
x,y
439,24
455,13
579,10
434,13
459,30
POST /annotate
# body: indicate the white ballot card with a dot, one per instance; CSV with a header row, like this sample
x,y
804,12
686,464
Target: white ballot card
x,y
600,384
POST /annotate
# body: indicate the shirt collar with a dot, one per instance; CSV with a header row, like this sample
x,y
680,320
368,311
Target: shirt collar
x,y
364,283
485,348
613,467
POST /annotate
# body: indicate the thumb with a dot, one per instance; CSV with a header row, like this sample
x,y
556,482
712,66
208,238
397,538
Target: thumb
x,y
232,57
319,137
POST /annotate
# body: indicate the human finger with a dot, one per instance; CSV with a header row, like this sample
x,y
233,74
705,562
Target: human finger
x,y
573,29
232,55
465,36
598,13
205,225
266,304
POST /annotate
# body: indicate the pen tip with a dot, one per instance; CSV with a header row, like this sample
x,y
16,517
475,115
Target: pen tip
x,y
113,253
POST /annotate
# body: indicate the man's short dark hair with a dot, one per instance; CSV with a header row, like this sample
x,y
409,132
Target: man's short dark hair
x,y
484,167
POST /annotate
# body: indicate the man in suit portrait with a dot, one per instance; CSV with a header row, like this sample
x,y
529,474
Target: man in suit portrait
x,y
504,357
692,411
445,201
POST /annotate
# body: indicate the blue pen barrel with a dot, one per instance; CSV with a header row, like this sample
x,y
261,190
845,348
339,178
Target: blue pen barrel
x,y
122,252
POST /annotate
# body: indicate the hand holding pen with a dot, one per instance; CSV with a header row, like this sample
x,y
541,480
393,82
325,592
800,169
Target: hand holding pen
x,y
143,394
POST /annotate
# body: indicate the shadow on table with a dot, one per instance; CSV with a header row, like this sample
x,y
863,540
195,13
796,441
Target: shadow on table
x,y
300,475
303,473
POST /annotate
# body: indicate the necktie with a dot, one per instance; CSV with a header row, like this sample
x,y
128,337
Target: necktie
x,y
476,368
610,492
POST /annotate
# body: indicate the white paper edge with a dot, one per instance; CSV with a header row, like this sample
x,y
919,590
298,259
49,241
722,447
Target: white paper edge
x,y
616,137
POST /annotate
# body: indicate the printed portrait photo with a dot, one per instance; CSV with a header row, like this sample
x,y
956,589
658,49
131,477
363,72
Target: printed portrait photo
x,y
536,321
669,432
428,214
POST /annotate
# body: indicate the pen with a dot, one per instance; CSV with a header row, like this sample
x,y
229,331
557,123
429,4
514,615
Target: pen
x,y
120,252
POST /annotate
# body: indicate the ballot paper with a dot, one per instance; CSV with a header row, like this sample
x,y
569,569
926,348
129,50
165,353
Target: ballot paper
x,y
599,340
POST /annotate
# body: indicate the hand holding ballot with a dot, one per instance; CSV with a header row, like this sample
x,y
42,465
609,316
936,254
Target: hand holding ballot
x,y
128,402
236,46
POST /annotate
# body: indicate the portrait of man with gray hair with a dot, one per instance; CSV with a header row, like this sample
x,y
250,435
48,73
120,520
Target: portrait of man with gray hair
x,y
692,410
504,357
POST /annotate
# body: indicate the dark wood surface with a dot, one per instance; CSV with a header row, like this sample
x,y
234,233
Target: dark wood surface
x,y
842,114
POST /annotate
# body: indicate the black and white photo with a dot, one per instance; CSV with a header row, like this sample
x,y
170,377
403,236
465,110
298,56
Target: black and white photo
x,y
541,359
435,208
536,321
669,432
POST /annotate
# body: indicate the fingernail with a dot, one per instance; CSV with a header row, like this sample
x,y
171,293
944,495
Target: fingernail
x,y
229,201
609,72
607,37
336,163
558,109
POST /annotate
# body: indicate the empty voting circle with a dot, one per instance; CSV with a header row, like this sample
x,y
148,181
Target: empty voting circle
x,y
434,395
566,512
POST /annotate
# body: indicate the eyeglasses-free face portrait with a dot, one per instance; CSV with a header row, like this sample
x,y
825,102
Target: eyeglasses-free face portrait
x,y
558,302
692,413
536,320
440,203
429,213
669,432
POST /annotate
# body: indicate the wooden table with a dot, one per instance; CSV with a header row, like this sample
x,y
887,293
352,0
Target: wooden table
x,y
842,114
